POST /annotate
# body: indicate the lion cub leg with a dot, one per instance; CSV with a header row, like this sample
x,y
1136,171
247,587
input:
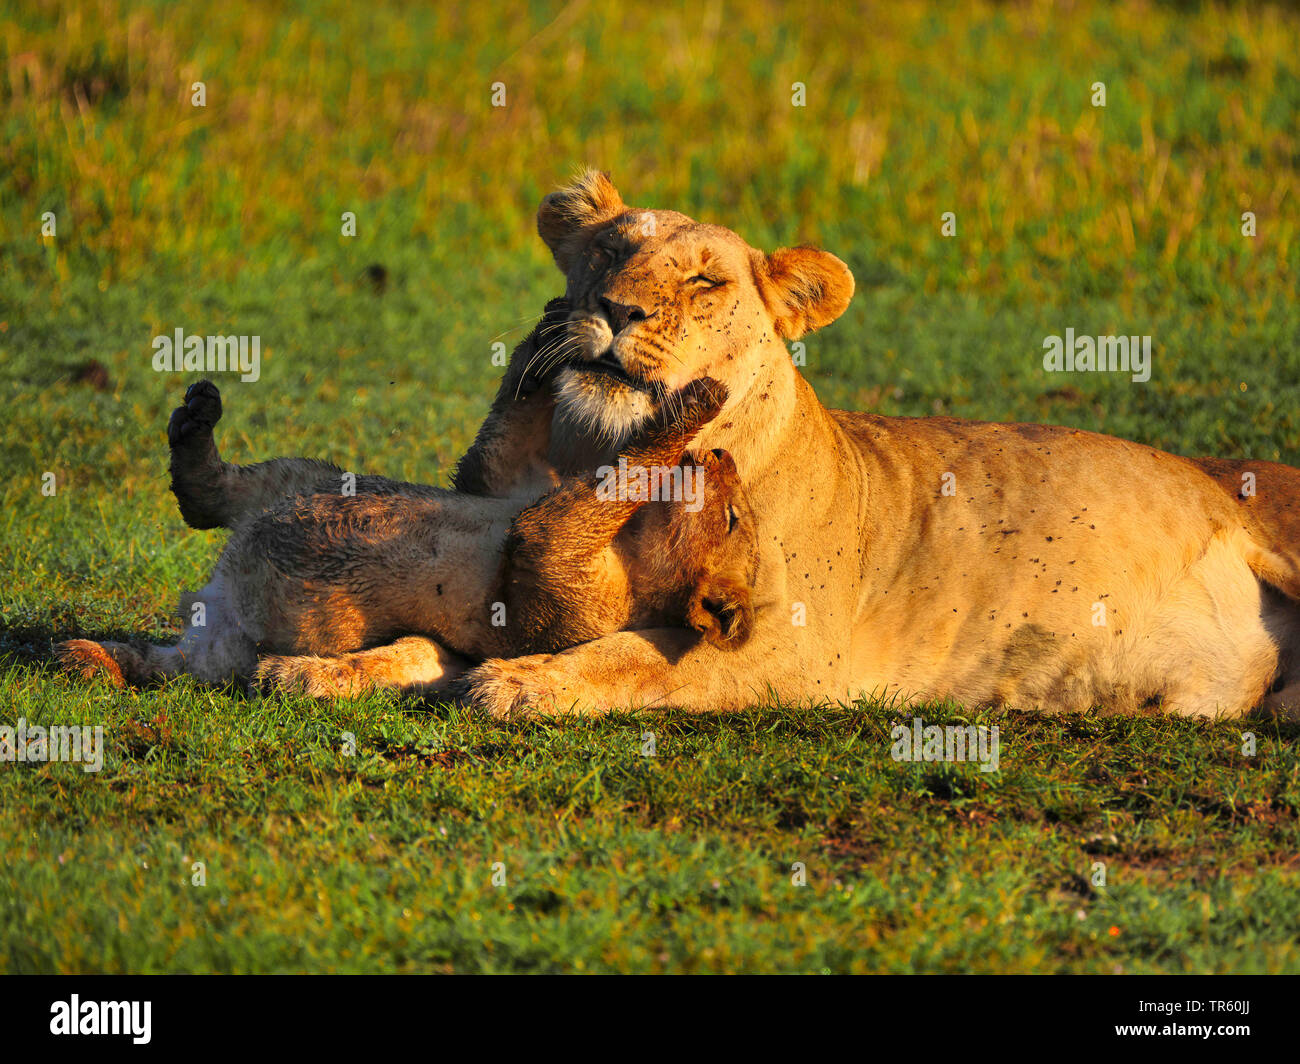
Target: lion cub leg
x,y
412,664
563,584
214,649
213,493
509,453
564,530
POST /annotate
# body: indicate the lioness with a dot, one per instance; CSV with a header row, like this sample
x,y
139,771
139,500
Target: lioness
x,y
1060,570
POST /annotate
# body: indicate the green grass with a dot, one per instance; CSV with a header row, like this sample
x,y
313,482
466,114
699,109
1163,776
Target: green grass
x,y
615,861
226,219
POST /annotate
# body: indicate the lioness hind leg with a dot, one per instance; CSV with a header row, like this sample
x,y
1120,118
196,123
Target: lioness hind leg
x,y
413,665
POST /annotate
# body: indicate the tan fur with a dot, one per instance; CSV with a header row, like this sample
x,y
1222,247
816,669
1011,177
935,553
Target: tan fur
x,y
413,664
989,595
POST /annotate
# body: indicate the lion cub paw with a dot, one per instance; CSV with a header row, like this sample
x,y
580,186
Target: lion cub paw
x,y
88,661
511,689
703,398
310,676
193,421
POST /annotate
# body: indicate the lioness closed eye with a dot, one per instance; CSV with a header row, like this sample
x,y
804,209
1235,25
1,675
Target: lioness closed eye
x,y
672,543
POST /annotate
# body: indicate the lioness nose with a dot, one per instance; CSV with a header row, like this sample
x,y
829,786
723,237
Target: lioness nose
x,y
621,315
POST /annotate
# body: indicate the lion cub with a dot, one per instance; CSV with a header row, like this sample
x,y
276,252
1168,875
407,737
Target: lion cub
x,y
328,575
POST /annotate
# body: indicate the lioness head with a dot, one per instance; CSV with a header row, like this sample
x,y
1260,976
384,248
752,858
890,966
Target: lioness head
x,y
704,545
658,299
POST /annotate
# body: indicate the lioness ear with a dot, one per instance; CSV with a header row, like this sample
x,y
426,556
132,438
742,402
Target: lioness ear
x,y
590,199
805,288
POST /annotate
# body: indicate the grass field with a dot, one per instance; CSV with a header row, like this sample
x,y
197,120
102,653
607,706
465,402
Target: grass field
x,y
226,219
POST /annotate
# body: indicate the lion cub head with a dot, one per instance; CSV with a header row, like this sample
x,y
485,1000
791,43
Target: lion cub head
x,y
658,299
703,544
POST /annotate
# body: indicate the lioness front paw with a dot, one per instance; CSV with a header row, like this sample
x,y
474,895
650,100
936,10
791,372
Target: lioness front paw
x,y
194,420
513,689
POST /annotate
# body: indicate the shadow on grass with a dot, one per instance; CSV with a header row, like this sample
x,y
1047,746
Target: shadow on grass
x,y
32,642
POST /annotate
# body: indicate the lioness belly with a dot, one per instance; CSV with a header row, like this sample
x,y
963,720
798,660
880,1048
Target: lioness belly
x,y
1065,571
1207,642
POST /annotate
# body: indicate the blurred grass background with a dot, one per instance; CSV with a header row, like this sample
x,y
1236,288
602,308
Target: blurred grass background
x,y
226,219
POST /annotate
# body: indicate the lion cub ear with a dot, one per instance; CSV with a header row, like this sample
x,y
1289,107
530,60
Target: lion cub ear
x,y
590,199
722,611
805,288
